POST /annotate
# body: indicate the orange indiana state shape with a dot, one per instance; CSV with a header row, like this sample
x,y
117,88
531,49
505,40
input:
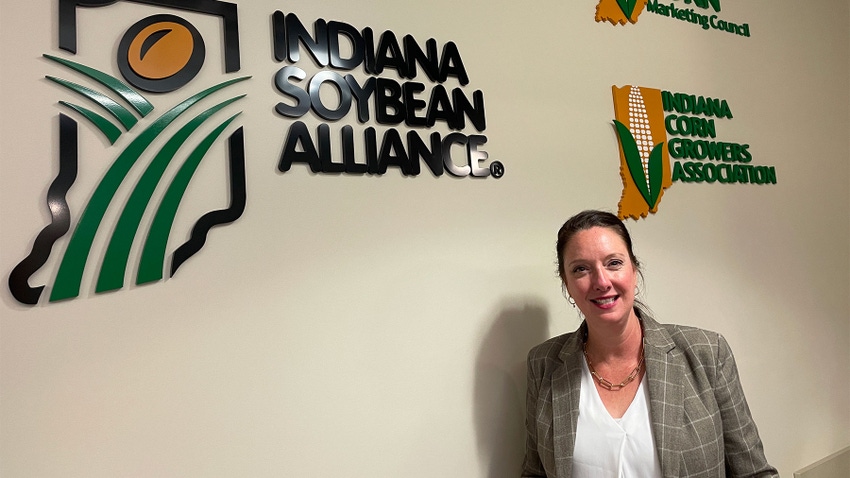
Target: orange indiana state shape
x,y
632,204
609,10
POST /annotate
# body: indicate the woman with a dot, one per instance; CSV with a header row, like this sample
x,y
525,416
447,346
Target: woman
x,y
625,396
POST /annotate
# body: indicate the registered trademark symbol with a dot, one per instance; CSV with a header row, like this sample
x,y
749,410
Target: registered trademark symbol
x,y
497,169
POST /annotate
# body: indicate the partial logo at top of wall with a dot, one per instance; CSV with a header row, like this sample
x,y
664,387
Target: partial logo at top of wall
x,y
653,126
705,16
160,53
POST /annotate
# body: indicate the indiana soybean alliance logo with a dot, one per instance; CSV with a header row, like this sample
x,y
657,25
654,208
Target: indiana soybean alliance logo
x,y
408,98
653,126
159,53
620,12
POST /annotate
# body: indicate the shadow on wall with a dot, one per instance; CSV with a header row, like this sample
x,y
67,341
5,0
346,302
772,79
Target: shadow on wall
x,y
500,384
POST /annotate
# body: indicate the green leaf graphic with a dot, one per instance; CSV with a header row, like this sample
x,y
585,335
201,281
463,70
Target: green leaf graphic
x,y
656,173
109,130
131,96
627,6
117,253
153,252
70,274
120,113
630,150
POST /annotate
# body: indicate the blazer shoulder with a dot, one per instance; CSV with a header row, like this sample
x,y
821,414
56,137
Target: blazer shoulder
x,y
705,345
550,357
550,349
688,336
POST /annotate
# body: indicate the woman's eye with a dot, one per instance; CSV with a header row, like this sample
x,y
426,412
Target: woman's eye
x,y
578,269
615,263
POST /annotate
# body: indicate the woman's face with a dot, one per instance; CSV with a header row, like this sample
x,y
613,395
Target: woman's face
x,y
600,275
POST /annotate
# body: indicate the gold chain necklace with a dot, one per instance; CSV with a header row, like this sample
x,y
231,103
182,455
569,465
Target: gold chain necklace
x,y
605,383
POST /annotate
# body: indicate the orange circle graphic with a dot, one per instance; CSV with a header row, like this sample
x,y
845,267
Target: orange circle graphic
x,y
160,50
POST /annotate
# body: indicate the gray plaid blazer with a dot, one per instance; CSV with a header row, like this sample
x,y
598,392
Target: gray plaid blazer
x,y
700,418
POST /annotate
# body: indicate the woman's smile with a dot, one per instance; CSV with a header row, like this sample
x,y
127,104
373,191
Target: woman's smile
x,y
605,302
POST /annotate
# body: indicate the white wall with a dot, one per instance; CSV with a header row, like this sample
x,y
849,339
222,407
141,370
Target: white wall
x,y
377,326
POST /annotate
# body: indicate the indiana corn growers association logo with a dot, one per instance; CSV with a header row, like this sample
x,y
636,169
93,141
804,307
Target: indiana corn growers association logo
x,y
653,126
621,12
158,54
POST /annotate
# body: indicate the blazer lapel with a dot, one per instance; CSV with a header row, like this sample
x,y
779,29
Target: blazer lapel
x,y
566,387
666,405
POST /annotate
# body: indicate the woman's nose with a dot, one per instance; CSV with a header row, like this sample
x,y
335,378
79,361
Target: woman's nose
x,y
601,280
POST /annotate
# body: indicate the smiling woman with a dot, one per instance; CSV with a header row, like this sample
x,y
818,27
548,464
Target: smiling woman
x,y
624,395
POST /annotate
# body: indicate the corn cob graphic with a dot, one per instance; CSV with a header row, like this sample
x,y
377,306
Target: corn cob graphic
x,y
640,131
645,164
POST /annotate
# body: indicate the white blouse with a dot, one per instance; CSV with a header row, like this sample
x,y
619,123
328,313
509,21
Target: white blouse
x,y
606,447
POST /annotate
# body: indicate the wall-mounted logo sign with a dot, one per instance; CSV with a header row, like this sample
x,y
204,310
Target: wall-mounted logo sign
x,y
378,98
159,53
620,12
163,53
653,126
